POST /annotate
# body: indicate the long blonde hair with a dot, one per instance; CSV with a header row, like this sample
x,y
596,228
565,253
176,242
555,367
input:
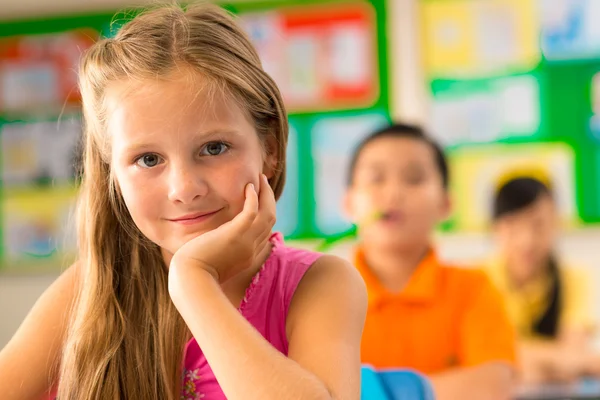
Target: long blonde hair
x,y
126,339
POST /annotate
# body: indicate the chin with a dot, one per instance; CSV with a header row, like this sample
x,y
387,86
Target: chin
x,y
400,240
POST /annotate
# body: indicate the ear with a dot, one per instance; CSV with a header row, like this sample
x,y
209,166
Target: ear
x,y
348,205
270,164
446,206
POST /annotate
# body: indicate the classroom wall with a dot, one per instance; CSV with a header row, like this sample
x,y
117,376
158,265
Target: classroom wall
x,y
410,101
18,293
18,290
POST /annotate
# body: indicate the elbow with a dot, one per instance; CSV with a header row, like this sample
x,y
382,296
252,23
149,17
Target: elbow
x,y
329,394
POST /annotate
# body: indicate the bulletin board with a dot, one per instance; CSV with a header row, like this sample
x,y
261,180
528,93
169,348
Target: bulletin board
x,y
466,38
516,80
337,51
297,42
481,170
328,57
570,30
508,108
40,131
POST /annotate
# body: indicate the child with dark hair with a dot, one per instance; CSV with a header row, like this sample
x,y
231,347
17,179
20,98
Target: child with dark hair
x,y
547,303
444,321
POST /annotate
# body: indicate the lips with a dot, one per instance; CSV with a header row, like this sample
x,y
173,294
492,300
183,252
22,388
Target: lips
x,y
392,216
195,217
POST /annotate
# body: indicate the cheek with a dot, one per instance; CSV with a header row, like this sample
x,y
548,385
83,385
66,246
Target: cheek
x,y
505,237
136,194
426,199
230,179
544,242
364,204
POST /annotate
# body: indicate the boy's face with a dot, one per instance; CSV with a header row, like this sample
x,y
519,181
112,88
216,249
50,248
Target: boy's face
x,y
397,177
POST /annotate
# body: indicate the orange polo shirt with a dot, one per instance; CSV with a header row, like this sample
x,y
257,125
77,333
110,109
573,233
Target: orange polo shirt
x,y
445,317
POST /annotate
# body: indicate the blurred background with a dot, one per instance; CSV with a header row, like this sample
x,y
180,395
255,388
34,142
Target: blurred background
x,y
504,85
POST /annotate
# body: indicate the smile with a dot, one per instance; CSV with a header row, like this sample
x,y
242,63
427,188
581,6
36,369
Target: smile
x,y
192,219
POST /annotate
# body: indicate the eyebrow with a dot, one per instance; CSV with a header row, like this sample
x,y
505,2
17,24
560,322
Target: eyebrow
x,y
218,132
375,164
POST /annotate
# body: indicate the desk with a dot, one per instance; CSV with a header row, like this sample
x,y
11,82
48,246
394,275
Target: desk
x,y
585,390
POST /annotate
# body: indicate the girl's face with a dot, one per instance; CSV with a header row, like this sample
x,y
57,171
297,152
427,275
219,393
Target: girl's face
x,y
181,157
526,238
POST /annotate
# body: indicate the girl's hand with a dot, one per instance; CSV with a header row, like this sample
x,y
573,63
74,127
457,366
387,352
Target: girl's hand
x,y
235,245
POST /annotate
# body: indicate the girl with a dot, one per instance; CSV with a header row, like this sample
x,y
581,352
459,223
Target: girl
x,y
547,303
181,291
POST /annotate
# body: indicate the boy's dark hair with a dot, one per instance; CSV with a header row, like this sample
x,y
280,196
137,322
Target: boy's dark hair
x,y
516,195
400,130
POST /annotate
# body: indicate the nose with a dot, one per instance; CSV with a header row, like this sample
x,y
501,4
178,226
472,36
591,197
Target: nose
x,y
525,240
186,184
393,192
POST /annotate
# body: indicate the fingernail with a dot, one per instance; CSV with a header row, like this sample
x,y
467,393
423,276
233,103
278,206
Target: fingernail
x,y
252,187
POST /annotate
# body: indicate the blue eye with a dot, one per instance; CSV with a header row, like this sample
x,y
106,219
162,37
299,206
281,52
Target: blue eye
x,y
214,149
148,160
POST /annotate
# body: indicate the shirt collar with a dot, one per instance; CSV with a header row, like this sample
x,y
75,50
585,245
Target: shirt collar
x,y
423,285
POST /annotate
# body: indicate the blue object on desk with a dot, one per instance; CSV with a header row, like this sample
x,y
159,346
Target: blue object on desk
x,y
398,384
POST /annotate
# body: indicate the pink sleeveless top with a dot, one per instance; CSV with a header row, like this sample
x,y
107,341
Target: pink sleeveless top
x,y
265,306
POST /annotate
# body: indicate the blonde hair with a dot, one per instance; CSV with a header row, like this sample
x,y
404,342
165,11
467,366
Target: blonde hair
x,y
126,339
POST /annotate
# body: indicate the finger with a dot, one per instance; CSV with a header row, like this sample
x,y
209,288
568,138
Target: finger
x,y
262,236
244,220
267,210
263,245
266,198
267,204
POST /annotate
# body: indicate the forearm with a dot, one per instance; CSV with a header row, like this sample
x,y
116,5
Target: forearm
x,y
540,362
486,382
245,364
551,360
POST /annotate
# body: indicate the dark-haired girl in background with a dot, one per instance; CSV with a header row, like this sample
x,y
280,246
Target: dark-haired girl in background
x,y
548,303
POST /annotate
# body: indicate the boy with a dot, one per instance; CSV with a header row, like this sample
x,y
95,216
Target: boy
x,y
446,322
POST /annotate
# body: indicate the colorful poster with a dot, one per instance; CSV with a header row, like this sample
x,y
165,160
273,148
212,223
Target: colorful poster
x,y
570,29
464,38
479,171
333,141
39,153
486,111
287,206
323,57
38,226
40,72
267,32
